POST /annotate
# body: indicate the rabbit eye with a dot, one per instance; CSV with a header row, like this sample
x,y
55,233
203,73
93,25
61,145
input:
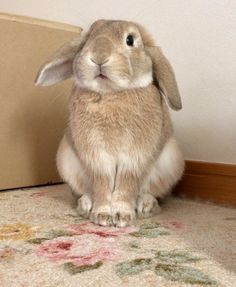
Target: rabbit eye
x,y
130,40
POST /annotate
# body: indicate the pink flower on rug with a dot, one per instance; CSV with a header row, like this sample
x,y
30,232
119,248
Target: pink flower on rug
x,y
2,252
174,224
6,253
86,249
103,254
90,228
55,249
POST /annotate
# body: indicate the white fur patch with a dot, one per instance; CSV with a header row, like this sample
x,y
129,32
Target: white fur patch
x,y
68,165
130,162
106,162
123,83
142,81
167,170
120,83
92,85
127,160
98,159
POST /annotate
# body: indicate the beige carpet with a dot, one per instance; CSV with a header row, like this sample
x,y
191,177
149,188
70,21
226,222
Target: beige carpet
x,y
43,243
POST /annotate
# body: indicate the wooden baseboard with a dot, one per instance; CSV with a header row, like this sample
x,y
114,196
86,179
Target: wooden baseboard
x,y
215,182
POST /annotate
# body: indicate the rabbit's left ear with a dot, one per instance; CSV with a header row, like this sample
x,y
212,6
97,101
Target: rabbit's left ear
x,y
164,77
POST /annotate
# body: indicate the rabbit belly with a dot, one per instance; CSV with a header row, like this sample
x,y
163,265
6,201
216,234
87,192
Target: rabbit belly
x,y
118,132
103,161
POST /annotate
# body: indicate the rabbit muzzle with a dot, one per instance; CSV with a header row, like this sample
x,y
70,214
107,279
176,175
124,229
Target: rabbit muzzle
x,y
101,67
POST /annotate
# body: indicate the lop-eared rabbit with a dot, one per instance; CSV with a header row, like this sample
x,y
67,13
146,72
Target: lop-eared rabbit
x,y
118,154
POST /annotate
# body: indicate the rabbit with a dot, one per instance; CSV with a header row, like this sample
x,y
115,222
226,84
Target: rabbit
x,y
118,154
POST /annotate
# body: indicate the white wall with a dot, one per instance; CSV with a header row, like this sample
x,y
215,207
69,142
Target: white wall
x,y
199,38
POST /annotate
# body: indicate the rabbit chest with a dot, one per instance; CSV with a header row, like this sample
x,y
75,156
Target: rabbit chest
x,y
119,129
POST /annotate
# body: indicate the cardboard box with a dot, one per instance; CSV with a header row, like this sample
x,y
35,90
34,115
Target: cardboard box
x,y
32,119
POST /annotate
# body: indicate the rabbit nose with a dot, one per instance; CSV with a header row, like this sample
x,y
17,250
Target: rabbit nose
x,y
101,50
99,63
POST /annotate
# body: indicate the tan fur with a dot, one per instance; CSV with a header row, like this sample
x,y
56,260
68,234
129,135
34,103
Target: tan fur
x,y
119,152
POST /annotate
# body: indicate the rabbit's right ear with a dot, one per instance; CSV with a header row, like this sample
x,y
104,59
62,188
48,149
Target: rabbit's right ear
x,y
165,77
60,66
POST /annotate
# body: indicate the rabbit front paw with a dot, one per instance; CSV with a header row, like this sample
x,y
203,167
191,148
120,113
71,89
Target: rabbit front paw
x,y
122,214
101,215
84,206
147,205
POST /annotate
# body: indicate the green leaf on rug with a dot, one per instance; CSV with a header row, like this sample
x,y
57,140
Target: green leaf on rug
x,y
134,245
37,240
150,230
176,256
57,233
150,225
49,236
150,233
184,274
133,267
73,269
76,218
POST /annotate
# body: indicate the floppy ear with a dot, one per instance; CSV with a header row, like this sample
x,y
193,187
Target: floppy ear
x,y
60,66
164,76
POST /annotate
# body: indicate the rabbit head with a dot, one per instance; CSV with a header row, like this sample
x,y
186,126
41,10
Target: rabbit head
x,y
113,56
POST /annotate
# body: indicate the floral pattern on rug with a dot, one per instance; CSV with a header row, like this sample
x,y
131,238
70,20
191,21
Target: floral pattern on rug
x,y
86,246
6,253
81,245
76,247
85,250
16,231
172,265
